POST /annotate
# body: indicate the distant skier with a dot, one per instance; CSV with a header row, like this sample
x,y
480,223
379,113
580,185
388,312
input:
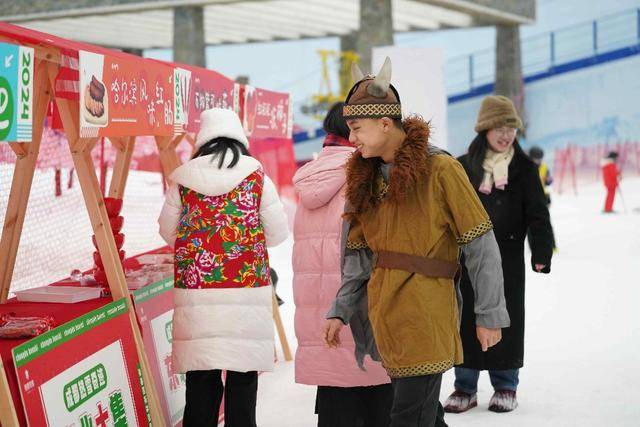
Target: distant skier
x,y
611,179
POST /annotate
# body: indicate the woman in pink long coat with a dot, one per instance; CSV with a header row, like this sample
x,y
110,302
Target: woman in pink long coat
x,y
347,395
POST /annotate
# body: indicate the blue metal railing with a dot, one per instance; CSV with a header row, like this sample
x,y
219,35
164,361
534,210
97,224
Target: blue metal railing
x,y
544,52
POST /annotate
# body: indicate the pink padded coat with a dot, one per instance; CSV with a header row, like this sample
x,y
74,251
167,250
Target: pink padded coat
x,y
316,276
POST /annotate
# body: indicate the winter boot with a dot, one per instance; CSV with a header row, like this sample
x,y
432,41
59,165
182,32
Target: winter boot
x,y
503,401
459,401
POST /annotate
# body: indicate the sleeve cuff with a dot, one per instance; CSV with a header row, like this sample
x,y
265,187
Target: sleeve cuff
x,y
498,318
356,245
475,232
338,311
547,265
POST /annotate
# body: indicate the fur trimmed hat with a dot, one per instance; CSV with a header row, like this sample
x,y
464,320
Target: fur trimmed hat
x,y
218,122
497,111
371,96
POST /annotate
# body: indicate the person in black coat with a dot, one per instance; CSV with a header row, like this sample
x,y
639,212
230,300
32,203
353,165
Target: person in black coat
x,y
509,187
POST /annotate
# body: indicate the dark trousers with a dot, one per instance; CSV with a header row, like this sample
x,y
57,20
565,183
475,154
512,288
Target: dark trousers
x,y
204,395
416,402
354,406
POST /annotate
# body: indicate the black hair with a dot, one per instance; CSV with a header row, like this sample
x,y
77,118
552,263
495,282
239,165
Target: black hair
x,y
536,152
220,146
274,276
477,152
334,122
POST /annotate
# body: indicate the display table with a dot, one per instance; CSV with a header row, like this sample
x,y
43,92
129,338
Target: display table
x,y
63,313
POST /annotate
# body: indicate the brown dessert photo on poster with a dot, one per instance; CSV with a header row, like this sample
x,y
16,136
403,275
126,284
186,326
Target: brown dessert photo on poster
x,y
95,103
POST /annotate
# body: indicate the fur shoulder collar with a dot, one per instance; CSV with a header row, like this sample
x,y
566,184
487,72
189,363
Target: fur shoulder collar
x,y
409,166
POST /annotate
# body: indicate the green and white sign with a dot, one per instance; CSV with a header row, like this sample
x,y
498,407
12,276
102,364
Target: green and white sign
x,y
84,373
181,92
16,93
154,307
100,392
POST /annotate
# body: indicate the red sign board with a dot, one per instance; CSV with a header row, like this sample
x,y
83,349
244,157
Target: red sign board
x,y
85,372
267,114
196,90
124,97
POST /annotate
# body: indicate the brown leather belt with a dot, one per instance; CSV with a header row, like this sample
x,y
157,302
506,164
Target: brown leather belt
x,y
428,267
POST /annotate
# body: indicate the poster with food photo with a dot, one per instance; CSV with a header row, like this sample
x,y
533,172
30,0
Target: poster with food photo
x,y
94,98
123,95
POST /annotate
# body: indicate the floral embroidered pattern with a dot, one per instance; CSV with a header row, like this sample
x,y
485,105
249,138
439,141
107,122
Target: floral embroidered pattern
x,y
220,239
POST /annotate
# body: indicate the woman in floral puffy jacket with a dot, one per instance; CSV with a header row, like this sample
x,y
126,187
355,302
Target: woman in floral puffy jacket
x,y
220,214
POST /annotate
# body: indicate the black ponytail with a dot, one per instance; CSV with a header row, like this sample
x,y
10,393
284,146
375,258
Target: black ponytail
x,y
219,146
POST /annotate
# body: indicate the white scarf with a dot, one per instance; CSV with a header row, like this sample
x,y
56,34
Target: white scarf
x,y
496,170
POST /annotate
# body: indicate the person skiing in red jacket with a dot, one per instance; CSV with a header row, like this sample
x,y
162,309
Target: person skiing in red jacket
x,y
611,178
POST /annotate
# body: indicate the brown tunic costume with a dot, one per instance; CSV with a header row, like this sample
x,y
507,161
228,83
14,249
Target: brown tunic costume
x,y
428,209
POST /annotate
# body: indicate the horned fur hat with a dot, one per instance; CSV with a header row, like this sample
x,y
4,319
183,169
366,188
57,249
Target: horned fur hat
x,y
372,96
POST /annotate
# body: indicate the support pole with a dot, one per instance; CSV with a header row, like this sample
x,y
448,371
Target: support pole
x,y
23,178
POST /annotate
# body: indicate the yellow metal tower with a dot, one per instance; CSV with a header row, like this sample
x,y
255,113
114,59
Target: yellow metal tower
x,y
326,95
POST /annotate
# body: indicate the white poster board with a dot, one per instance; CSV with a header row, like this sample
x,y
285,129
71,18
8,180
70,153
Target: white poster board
x,y
418,75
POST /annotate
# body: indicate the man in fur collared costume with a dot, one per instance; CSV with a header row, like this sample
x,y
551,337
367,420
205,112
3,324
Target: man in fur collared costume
x,y
410,210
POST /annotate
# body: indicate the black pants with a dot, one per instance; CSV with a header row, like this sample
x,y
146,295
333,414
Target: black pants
x,y
204,394
354,406
416,402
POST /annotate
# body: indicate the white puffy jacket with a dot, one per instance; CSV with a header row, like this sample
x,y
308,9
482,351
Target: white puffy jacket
x,y
222,328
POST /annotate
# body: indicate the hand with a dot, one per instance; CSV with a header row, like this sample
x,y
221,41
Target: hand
x,y
331,332
539,267
488,337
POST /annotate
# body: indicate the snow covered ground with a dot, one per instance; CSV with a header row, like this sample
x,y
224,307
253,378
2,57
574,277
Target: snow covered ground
x,y
583,324
583,329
